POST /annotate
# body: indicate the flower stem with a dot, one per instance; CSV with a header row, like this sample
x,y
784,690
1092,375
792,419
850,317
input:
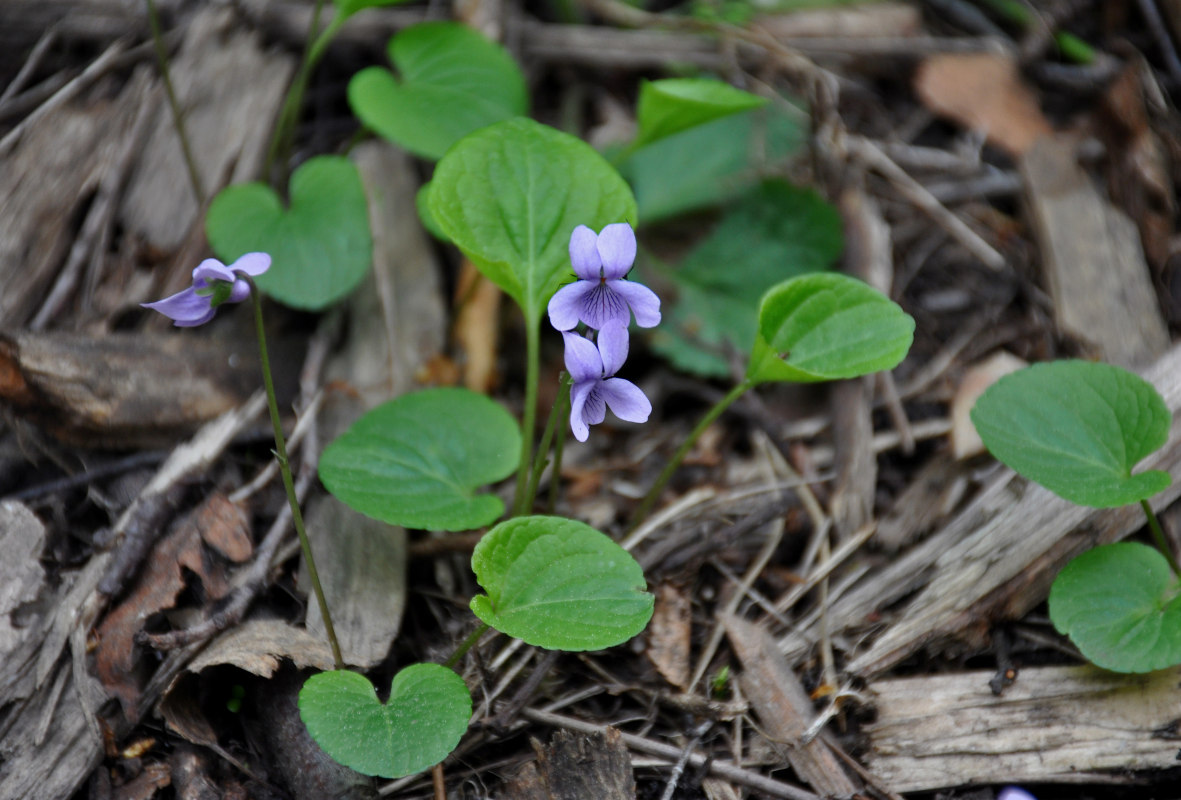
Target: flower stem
x,y
559,447
539,459
466,645
174,104
529,421
1158,536
285,471
313,51
670,468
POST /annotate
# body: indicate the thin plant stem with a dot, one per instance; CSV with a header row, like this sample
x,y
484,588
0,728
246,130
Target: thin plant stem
x,y
465,645
313,51
285,470
539,459
682,451
559,447
1158,536
529,421
174,104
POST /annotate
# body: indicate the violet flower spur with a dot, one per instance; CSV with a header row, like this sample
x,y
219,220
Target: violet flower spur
x,y
601,295
195,305
592,367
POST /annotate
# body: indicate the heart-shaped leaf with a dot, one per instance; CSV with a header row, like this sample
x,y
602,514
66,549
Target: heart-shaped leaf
x,y
667,107
775,232
510,195
559,584
425,717
1121,605
1077,428
417,461
453,81
826,326
320,247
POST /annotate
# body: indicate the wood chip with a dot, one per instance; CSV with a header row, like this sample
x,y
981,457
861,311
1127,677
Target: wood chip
x,y
45,182
783,709
123,390
574,766
229,104
1093,261
1054,725
22,539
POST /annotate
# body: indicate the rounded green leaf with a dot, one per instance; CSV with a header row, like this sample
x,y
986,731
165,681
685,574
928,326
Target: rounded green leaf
x,y
1077,428
510,195
417,461
667,107
320,247
453,81
827,326
426,715
559,584
1121,605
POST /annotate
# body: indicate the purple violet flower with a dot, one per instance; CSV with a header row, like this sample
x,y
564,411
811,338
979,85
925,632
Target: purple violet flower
x,y
601,295
195,305
592,367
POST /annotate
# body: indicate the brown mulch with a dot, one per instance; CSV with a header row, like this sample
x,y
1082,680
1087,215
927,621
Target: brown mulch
x,y
850,595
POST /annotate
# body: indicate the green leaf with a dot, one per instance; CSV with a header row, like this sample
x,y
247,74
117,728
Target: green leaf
x,y
346,8
422,204
510,195
827,326
320,247
1121,605
416,461
670,106
776,231
423,720
712,163
1077,428
559,584
453,81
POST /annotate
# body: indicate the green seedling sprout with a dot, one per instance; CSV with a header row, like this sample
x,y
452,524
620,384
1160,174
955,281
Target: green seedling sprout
x,y
1079,429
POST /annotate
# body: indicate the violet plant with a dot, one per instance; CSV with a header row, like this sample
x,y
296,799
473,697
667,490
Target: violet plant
x,y
1079,429
523,202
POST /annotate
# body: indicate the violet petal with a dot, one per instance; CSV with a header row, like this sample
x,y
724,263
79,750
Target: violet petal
x,y
627,400
253,264
582,359
186,308
584,255
643,301
617,249
612,344
566,305
578,396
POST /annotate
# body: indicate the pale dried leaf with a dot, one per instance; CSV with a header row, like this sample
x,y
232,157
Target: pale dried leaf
x,y
983,92
965,442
